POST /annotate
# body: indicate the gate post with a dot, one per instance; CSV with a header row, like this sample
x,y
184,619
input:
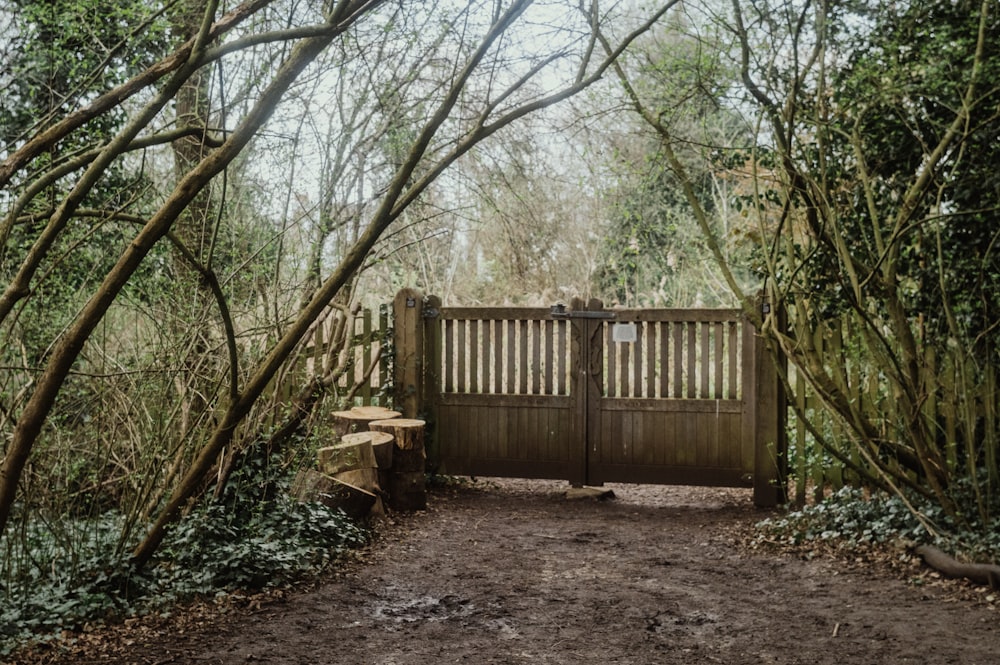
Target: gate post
x,y
408,338
770,437
429,407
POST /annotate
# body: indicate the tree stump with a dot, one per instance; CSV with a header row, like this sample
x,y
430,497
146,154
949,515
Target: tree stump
x,y
353,462
382,445
311,485
375,412
408,432
357,453
407,491
357,418
407,484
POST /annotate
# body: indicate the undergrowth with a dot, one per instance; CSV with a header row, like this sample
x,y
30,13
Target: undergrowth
x,y
851,517
246,540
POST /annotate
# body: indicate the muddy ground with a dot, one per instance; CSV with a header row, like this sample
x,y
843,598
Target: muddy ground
x,y
513,572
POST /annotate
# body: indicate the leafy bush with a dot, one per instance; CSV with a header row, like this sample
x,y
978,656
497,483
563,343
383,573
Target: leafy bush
x,y
847,516
218,550
850,517
57,584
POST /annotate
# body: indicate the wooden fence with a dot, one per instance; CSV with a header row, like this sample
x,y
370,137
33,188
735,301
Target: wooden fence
x,y
956,407
679,349
360,358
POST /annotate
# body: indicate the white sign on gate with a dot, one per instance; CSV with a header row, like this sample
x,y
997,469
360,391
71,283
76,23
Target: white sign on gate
x,y
624,333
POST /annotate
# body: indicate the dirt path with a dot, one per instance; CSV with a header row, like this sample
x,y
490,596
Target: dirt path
x,y
518,574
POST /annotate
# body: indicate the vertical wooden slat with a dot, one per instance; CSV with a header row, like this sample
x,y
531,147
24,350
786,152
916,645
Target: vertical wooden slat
x,y
562,334
692,359
637,356
409,346
611,358
734,352
705,364
383,367
651,364
511,380
368,354
664,365
431,392
749,390
535,368
487,351
677,332
522,361
549,366
498,352
449,356
769,424
718,360
625,356
461,354
473,342
579,386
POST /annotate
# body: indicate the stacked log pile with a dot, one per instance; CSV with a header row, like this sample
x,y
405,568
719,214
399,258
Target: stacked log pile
x,y
373,460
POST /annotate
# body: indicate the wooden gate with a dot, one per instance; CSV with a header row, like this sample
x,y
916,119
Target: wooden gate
x,y
591,395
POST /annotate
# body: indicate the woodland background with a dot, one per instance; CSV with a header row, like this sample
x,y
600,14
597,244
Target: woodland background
x,y
191,189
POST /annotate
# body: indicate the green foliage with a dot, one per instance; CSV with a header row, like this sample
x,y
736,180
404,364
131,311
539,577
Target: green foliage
x,y
847,517
268,545
65,49
852,518
53,581
878,215
61,55
897,96
643,245
654,253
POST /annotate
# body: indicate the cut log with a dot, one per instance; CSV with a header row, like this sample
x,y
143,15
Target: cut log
x,y
366,479
310,486
409,460
406,486
357,419
407,491
358,453
375,412
980,573
382,445
595,493
408,432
